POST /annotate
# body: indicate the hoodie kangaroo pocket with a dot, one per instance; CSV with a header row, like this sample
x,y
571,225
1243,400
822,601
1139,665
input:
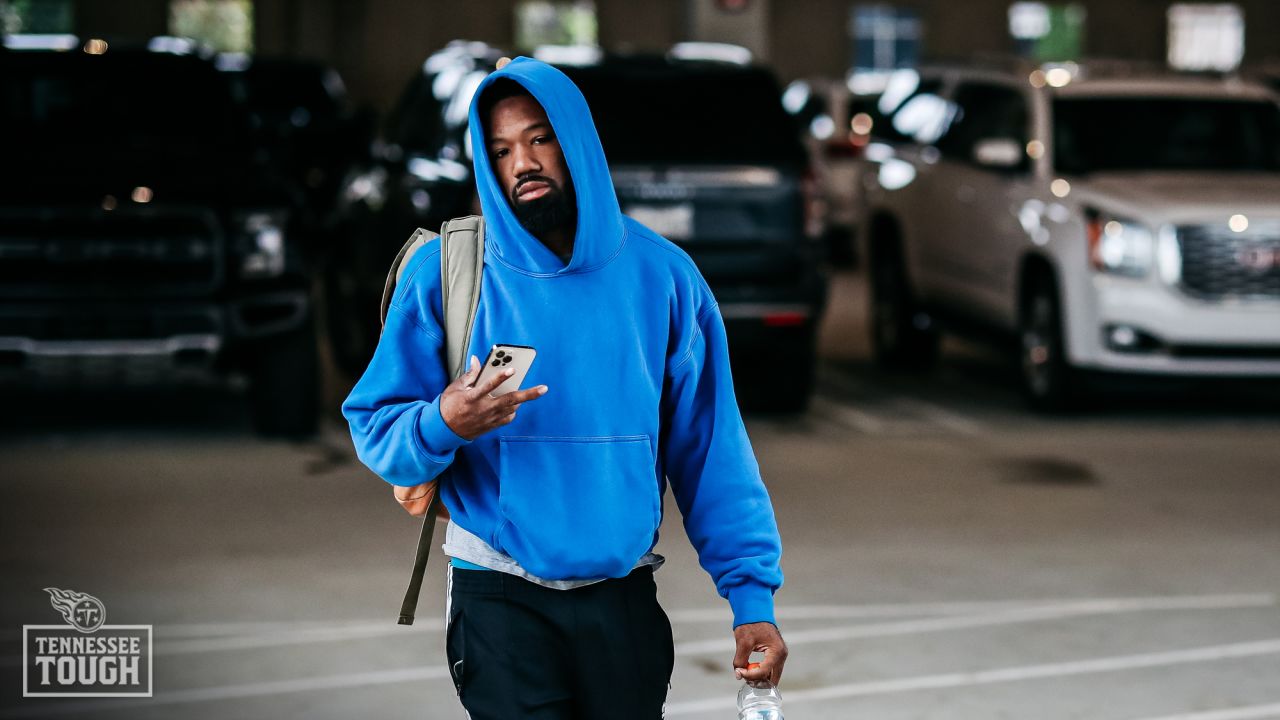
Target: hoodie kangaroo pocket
x,y
577,507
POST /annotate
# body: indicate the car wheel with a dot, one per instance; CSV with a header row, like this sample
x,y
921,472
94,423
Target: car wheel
x,y
903,337
1049,380
789,381
351,318
284,392
841,251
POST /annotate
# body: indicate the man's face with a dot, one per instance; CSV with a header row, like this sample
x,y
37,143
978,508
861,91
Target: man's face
x,y
529,165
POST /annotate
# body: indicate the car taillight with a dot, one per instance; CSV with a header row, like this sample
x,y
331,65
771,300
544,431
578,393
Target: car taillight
x,y
784,319
846,148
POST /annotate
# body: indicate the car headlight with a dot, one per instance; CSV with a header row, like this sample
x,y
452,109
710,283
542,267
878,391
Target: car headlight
x,y
1119,246
262,243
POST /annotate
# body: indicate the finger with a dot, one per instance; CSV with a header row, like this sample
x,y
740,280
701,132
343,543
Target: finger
x,y
519,396
756,672
493,382
502,62
742,655
469,377
776,671
508,419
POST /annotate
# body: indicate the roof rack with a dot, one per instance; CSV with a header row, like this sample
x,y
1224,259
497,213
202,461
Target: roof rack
x,y
569,54
41,41
712,52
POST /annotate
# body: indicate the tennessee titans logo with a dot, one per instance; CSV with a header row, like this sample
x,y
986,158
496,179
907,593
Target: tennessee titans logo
x,y
82,611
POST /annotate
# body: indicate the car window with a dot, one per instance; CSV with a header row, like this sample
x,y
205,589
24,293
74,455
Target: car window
x,y
1151,133
417,122
59,101
805,102
279,88
689,115
911,109
984,112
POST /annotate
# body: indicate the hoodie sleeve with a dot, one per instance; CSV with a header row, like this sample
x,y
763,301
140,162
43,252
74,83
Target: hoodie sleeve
x,y
394,408
714,475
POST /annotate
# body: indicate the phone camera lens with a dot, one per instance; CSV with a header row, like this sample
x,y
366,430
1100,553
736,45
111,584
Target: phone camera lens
x,y
496,363
501,353
506,360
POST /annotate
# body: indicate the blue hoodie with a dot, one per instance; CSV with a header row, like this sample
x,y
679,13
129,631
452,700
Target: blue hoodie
x,y
632,347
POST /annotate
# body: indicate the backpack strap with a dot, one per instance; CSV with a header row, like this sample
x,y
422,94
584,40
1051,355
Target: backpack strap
x,y
416,241
461,266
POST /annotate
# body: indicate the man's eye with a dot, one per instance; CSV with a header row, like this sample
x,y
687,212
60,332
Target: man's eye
x,y
499,154
541,139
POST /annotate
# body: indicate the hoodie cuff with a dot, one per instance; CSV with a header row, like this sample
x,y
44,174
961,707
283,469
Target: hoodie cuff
x,y
437,437
751,603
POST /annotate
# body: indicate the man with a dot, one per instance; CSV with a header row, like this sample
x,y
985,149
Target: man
x,y
555,507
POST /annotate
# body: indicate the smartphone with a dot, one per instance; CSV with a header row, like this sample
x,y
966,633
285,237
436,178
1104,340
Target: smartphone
x,y
501,357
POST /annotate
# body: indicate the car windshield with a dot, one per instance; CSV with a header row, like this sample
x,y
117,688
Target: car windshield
x,y
280,88
1101,134
689,116
51,103
417,123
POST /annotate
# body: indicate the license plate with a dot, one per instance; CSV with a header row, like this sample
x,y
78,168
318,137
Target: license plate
x,y
674,222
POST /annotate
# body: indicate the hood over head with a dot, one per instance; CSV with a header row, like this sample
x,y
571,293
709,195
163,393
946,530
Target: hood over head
x,y
600,230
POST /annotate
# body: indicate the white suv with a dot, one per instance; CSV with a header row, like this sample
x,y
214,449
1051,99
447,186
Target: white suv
x,y
1110,221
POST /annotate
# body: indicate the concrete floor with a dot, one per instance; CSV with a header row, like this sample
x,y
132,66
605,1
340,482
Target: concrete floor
x,y
948,555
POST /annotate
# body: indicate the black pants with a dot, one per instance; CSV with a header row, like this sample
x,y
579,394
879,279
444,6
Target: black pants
x,y
518,650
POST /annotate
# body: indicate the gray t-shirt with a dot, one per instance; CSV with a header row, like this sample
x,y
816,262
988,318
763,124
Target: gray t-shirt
x,y
460,544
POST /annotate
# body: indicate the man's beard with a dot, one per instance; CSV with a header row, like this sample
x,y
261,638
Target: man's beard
x,y
553,211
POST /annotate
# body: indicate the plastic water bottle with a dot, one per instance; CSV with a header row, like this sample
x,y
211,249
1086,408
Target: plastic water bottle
x,y
760,700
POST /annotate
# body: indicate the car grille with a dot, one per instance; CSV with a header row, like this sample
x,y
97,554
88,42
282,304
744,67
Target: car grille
x,y
71,253
110,322
1218,264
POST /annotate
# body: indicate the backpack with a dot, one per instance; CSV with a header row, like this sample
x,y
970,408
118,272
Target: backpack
x,y
461,267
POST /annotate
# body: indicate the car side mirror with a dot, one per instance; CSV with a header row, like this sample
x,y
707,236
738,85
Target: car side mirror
x,y
999,153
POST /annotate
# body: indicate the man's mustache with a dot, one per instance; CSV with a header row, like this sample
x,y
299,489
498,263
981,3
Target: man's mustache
x,y
515,191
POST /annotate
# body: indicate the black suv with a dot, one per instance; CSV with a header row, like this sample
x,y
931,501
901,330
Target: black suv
x,y
144,236
703,153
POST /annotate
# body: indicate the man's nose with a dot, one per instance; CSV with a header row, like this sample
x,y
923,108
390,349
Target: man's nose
x,y
524,162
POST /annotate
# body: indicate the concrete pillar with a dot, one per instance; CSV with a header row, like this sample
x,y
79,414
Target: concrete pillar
x,y
653,25
809,38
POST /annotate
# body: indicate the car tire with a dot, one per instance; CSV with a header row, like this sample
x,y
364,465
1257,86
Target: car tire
x,y
350,318
788,383
903,336
284,387
841,250
1049,381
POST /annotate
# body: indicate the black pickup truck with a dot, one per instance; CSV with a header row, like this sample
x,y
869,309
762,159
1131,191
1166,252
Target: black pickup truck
x,y
145,236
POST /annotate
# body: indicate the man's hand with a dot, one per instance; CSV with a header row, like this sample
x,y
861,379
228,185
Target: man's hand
x,y
415,499
759,637
472,411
